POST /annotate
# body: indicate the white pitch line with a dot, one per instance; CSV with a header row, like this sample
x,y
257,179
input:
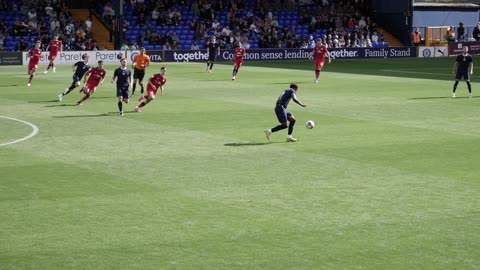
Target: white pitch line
x,y
34,132
412,72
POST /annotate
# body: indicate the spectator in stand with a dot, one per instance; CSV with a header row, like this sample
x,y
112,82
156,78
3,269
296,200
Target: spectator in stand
x,y
374,38
48,9
88,23
32,14
141,20
155,14
20,28
167,47
194,46
155,39
460,32
175,38
54,23
21,46
450,36
3,28
107,11
134,46
124,46
195,8
167,38
476,32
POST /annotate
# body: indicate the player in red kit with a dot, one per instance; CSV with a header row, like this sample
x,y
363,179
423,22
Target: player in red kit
x,y
319,53
157,81
95,77
34,55
238,55
55,46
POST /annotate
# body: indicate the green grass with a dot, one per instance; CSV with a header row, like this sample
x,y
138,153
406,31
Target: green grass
x,y
388,178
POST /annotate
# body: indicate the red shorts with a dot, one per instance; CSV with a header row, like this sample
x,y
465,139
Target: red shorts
x,y
91,87
32,66
52,57
319,63
151,91
238,62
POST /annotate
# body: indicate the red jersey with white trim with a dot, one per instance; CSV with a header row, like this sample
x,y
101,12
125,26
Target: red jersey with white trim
x,y
35,55
55,46
96,75
319,52
239,53
157,80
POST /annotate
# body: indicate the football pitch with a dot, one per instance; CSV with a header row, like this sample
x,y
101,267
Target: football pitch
x,y
389,178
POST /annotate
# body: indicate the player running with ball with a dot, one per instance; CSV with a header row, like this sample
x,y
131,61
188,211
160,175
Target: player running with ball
x,y
157,81
238,55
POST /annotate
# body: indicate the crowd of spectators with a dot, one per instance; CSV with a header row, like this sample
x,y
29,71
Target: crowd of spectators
x,y
339,22
41,20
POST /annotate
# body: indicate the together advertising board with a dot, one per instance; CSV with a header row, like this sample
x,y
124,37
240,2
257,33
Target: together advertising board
x,y
292,54
10,58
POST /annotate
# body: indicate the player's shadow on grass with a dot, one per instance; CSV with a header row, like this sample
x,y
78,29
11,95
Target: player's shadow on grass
x,y
83,115
249,143
10,85
61,105
442,97
43,101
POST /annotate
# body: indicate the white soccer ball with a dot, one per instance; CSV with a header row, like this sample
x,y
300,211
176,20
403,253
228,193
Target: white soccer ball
x,y
310,124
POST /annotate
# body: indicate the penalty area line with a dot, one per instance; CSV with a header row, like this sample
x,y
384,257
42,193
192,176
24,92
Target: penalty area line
x,y
34,132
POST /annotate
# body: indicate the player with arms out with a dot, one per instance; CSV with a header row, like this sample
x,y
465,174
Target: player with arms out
x,y
464,68
80,68
157,81
124,82
34,54
283,115
238,55
95,77
213,50
319,52
140,63
54,46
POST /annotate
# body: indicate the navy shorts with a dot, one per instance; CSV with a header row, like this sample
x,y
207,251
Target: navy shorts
x,y
282,114
211,58
138,74
122,91
75,79
463,74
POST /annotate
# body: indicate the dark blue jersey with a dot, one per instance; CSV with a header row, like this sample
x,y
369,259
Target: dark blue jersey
x,y
464,62
285,97
82,68
212,49
123,76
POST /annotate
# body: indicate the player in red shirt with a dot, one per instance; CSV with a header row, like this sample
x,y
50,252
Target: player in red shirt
x,y
34,55
55,46
95,77
157,81
238,55
319,53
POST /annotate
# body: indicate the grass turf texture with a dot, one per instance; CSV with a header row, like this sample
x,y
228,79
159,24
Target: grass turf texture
x,y
388,178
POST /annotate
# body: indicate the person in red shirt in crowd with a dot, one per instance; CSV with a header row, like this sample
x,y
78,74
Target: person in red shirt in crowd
x,y
319,52
156,81
54,46
35,54
95,76
238,55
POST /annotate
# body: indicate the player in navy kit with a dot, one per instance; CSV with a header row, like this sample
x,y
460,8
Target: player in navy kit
x,y
283,115
213,50
81,67
124,82
464,68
